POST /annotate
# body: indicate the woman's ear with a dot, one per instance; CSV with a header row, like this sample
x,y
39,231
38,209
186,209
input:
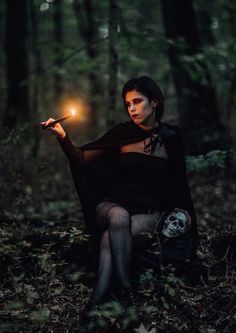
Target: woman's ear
x,y
155,103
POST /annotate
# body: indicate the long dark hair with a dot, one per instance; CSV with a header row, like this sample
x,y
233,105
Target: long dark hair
x,y
149,88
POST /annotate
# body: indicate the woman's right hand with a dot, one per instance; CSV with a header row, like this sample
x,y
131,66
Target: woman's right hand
x,y
56,129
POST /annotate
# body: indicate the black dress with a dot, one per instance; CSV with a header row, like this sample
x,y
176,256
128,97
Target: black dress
x,y
140,183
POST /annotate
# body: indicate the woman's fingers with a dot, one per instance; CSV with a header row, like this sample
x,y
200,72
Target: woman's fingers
x,y
47,122
56,129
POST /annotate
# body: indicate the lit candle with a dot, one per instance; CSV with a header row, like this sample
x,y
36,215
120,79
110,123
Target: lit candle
x,y
59,120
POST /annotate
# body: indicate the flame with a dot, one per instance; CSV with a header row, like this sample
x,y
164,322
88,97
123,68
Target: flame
x,y
77,107
72,111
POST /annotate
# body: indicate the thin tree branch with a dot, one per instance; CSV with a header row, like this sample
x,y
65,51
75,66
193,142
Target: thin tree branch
x,y
64,60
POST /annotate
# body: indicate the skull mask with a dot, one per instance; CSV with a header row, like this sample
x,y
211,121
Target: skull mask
x,y
176,223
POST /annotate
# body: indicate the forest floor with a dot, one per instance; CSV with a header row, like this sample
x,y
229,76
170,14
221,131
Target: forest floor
x,y
47,267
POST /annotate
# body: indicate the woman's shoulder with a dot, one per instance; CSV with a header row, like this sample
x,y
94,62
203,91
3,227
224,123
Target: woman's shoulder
x,y
166,130
171,134
170,130
130,124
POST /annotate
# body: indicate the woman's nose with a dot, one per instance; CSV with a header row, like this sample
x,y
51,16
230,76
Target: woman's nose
x,y
132,107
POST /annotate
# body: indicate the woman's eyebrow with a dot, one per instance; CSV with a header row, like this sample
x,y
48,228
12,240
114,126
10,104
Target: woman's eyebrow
x,y
133,99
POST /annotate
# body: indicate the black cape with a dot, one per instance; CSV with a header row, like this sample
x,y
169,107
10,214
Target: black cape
x,y
92,181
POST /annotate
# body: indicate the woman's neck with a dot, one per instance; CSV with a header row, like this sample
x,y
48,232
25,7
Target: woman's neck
x,y
150,126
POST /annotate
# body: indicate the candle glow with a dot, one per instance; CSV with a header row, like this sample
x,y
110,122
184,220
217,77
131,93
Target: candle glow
x,y
72,112
75,108
59,120
78,105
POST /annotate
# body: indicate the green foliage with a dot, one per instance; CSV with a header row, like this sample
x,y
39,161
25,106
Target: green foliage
x,y
216,159
33,188
171,282
13,305
42,315
106,313
9,326
166,285
147,282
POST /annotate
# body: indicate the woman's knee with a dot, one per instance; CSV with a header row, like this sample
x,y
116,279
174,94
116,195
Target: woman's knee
x,y
102,210
141,225
118,217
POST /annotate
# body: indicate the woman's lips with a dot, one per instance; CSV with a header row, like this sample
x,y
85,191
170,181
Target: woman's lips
x,y
134,115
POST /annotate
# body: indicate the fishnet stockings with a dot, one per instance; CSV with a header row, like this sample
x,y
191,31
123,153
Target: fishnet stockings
x,y
120,229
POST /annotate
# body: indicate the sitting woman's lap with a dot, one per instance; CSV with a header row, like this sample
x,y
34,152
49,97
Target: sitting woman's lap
x,y
139,223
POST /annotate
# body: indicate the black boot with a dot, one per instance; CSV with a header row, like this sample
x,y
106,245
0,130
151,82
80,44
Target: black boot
x,y
129,306
89,317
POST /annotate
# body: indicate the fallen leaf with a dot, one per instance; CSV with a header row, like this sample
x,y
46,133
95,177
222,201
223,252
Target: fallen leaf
x,y
142,329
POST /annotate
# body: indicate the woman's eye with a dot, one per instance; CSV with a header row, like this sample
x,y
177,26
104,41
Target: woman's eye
x,y
137,100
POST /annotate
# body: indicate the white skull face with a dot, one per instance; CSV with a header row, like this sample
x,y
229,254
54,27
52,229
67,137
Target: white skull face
x,y
175,224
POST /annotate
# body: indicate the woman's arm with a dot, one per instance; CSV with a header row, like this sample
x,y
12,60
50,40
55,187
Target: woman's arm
x,y
73,153
76,154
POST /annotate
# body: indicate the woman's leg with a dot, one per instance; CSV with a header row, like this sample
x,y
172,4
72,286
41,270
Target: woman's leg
x,y
105,269
143,223
117,220
121,242
116,242
105,257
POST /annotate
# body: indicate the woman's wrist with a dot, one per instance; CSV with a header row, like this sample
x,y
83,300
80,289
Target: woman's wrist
x,y
62,136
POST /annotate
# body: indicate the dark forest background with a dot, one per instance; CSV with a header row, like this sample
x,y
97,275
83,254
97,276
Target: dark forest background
x,y
60,53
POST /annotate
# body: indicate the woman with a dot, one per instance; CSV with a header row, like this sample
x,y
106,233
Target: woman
x,y
127,178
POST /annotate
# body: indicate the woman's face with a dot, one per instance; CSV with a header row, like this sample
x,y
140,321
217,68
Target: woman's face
x,y
139,108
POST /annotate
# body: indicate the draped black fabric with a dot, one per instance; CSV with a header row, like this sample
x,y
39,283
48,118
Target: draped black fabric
x,y
141,185
93,180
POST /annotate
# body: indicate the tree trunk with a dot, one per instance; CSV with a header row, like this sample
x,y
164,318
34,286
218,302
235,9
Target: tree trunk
x,y
85,13
17,73
59,47
196,97
36,77
113,62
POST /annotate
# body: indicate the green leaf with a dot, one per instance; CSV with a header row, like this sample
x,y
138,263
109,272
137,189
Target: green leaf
x,y
41,315
13,305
